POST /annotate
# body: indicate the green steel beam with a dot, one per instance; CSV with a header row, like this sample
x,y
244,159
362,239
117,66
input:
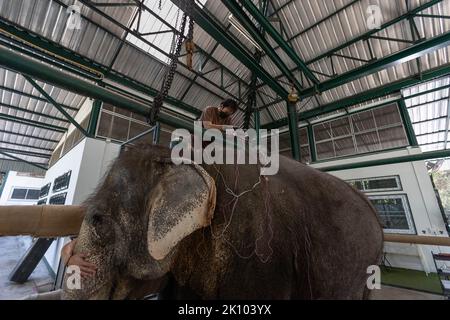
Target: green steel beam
x,y
257,125
407,123
56,50
27,153
219,34
31,96
380,162
365,36
293,130
367,95
32,123
46,73
230,72
436,16
156,133
39,114
24,161
284,5
427,103
93,117
248,25
434,142
375,30
28,136
447,123
312,143
421,93
158,49
56,105
394,59
268,27
429,120
429,133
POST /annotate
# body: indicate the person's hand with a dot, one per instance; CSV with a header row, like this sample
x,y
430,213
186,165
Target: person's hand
x,y
67,251
87,269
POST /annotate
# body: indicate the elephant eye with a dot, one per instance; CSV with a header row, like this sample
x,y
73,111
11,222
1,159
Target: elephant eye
x,y
102,226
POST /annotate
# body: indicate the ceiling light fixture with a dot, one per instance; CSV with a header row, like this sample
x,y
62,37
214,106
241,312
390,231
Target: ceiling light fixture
x,y
242,31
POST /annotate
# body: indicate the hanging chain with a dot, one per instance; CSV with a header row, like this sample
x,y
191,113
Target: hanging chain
x,y
172,66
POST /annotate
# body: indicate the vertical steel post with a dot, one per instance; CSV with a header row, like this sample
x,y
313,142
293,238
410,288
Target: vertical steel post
x,y
156,133
93,118
312,145
407,123
293,130
257,125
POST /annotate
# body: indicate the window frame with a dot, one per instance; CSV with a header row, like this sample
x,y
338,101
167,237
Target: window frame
x,y
10,198
396,177
353,134
408,213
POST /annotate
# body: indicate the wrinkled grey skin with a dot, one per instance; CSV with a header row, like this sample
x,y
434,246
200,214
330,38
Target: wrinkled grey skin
x,y
301,234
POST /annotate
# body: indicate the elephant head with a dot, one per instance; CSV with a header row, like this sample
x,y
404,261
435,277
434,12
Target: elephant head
x,y
134,221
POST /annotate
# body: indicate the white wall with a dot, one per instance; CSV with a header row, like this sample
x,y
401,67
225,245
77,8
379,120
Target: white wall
x,y
425,211
18,180
88,161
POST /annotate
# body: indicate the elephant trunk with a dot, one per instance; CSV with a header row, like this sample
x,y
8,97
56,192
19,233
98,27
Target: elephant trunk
x,y
41,221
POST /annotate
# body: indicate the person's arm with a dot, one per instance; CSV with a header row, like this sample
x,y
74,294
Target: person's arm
x,y
69,258
210,125
206,118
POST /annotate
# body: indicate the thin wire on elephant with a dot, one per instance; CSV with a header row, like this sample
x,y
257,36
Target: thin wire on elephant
x,y
235,200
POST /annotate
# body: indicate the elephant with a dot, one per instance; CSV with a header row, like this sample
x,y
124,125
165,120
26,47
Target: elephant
x,y
224,231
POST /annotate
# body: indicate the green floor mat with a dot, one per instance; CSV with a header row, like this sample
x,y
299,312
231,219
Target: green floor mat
x,y
412,279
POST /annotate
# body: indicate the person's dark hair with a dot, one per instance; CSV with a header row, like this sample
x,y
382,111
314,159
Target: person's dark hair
x,y
230,103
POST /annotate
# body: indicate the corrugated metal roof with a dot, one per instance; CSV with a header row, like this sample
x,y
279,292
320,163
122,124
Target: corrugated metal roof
x,y
313,27
429,112
19,166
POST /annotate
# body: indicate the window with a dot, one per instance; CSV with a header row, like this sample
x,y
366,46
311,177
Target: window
x,y
366,131
58,199
120,125
42,202
62,182
394,213
19,194
44,190
25,194
285,145
33,194
377,184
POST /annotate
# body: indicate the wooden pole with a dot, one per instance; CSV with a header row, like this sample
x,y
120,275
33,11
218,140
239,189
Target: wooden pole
x,y
41,221
414,239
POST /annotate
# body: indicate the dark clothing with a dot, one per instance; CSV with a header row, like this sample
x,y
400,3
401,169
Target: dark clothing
x,y
211,114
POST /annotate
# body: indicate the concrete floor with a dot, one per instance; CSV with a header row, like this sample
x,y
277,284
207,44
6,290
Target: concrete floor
x,y
11,250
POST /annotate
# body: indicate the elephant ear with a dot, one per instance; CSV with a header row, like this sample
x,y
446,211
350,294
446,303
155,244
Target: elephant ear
x,y
181,203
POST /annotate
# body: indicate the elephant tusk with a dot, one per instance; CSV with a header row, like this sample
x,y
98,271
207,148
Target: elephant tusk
x,y
41,221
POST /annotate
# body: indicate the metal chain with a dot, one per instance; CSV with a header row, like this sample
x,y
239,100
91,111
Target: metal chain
x,y
174,55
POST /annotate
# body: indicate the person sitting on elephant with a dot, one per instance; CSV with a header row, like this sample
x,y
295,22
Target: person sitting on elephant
x,y
68,257
219,117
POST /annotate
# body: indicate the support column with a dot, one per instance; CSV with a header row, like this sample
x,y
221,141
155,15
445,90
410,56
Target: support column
x,y
93,118
293,130
312,145
156,133
257,125
407,123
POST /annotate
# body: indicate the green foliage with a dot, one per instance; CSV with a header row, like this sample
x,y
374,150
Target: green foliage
x,y
442,182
